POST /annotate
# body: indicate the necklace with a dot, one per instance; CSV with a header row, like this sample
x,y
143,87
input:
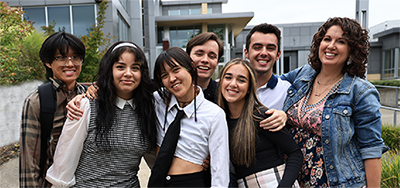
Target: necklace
x,y
329,86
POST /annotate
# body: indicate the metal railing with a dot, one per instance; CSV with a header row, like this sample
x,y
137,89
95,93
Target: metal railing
x,y
396,106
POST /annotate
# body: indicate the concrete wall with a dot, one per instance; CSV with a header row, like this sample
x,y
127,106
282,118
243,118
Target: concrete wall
x,y
388,97
11,102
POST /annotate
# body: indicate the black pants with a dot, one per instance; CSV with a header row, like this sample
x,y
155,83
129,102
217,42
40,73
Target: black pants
x,y
186,180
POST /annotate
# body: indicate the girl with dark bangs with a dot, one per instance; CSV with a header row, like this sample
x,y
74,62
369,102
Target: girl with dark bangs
x,y
201,127
105,146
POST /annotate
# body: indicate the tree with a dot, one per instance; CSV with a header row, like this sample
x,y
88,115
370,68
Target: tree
x,y
13,31
93,43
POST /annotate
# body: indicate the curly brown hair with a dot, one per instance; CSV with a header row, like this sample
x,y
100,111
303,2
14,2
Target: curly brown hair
x,y
357,38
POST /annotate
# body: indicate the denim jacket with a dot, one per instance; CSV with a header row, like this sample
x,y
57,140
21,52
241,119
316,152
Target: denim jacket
x,y
350,125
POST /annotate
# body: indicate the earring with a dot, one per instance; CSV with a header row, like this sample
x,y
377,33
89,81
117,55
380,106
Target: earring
x,y
349,61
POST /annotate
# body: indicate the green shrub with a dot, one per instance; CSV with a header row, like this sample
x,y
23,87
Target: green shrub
x,y
13,30
11,70
391,136
30,55
387,82
390,176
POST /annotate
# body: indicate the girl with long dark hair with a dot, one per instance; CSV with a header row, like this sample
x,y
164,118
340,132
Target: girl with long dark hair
x,y
105,146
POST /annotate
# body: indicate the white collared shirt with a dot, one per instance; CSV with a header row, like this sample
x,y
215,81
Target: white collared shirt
x,y
197,140
273,96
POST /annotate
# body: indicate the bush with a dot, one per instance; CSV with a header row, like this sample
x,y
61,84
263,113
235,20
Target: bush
x,y
391,136
11,70
13,31
30,55
387,82
390,176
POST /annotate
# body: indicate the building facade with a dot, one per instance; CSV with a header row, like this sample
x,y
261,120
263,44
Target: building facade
x,y
151,24
157,24
383,60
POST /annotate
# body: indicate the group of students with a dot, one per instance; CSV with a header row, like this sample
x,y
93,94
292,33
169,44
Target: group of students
x,y
332,135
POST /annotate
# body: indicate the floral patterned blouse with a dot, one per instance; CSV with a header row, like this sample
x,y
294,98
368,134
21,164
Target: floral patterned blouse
x,y
305,126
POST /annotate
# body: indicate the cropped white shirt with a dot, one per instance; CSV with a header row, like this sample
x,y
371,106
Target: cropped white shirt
x,y
197,140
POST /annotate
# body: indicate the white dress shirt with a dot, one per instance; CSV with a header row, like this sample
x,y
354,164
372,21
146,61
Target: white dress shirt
x,y
197,140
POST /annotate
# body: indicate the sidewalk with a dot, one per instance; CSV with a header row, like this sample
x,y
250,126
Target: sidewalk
x,y
9,174
9,171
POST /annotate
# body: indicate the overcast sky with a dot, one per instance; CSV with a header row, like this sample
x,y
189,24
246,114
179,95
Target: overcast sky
x,y
295,11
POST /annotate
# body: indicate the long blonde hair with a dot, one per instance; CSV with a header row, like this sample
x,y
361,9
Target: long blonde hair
x,y
243,137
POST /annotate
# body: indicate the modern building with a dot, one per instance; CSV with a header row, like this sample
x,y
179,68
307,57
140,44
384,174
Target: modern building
x,y
383,61
158,24
152,24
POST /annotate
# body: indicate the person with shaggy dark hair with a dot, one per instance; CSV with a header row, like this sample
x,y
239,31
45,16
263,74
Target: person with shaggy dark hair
x,y
62,55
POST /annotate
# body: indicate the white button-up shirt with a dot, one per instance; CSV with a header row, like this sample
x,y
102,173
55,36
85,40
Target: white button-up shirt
x,y
197,140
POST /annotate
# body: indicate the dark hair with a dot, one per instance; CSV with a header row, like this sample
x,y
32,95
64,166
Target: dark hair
x,y
357,39
142,96
168,57
264,28
60,41
203,38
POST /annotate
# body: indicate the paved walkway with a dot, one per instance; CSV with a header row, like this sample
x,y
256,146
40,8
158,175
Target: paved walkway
x,y
9,171
9,174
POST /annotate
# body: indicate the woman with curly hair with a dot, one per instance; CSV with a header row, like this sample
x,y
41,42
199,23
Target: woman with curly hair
x,y
105,146
333,112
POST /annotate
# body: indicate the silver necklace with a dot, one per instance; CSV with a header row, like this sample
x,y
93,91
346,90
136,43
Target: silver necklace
x,y
329,86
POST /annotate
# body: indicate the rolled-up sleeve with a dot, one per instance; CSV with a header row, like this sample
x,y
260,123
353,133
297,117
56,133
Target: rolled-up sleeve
x,y
219,151
69,149
367,120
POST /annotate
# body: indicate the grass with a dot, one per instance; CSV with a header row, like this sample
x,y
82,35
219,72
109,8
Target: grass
x,y
390,169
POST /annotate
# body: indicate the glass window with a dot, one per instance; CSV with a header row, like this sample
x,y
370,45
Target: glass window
x,y
61,16
173,12
36,15
179,36
209,10
388,69
123,29
160,34
195,11
184,12
83,17
123,3
218,29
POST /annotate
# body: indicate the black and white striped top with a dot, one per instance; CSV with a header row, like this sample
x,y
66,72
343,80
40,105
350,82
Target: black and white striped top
x,y
118,167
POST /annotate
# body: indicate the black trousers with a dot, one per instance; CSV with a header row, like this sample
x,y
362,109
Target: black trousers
x,y
186,180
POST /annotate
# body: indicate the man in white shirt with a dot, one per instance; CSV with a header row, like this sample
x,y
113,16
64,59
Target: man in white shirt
x,y
263,50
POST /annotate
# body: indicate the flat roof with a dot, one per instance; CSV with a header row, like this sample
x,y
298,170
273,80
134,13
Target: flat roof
x,y
390,31
188,2
235,20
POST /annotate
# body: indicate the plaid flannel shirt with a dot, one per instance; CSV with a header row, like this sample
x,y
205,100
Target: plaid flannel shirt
x,y
30,132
